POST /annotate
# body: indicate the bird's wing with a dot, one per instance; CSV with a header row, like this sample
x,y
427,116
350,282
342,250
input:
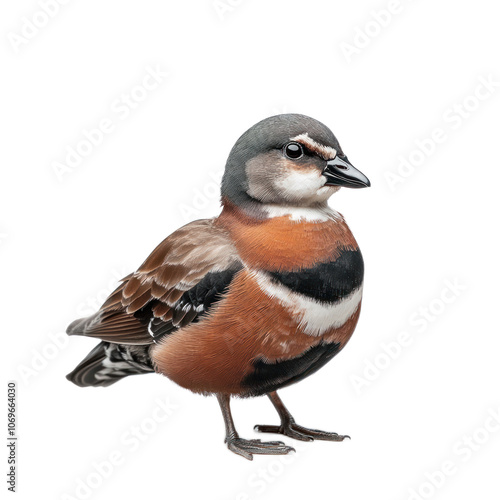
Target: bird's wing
x,y
175,285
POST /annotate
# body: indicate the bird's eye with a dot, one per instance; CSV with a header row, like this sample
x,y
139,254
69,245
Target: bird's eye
x,y
293,150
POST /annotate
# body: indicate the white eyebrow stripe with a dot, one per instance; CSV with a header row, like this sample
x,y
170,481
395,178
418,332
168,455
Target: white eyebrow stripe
x,y
326,152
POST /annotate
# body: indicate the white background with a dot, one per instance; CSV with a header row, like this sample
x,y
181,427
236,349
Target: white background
x,y
66,239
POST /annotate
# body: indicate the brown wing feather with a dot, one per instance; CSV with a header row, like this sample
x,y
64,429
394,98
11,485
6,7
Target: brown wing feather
x,y
175,266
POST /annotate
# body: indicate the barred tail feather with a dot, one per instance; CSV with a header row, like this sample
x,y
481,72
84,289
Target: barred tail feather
x,y
108,363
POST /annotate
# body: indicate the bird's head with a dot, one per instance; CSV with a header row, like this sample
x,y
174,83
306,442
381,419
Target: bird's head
x,y
287,159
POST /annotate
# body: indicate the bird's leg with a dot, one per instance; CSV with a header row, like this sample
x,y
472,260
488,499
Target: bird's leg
x,y
291,429
244,447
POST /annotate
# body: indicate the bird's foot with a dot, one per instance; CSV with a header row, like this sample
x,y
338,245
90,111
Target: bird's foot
x,y
296,431
247,448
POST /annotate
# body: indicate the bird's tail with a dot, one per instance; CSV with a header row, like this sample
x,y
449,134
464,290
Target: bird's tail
x,y
107,363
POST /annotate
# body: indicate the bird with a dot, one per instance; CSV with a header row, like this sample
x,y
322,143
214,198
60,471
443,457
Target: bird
x,y
251,301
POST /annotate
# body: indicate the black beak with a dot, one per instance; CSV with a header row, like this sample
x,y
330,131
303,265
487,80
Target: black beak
x,y
339,172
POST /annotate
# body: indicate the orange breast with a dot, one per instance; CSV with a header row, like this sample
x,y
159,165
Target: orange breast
x,y
280,243
219,352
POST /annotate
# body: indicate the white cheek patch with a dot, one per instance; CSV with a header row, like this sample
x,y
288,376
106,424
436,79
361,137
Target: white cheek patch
x,y
313,317
297,185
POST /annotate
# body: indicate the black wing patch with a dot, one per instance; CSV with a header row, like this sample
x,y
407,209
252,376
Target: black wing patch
x,y
192,306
